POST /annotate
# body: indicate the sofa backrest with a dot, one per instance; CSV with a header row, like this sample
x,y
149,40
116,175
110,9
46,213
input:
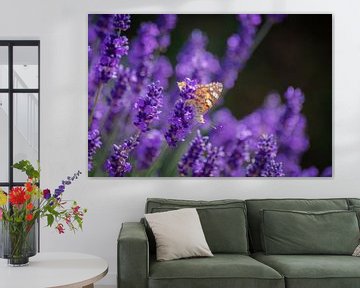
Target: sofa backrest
x,y
223,221
256,205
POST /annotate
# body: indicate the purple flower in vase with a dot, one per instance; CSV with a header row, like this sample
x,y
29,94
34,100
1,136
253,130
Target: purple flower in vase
x,y
94,143
264,163
61,188
117,165
148,107
148,149
183,115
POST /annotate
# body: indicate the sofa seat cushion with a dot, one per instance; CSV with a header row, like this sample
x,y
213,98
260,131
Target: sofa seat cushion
x,y
314,271
222,270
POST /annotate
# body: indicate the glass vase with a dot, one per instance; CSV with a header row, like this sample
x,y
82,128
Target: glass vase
x,y
18,242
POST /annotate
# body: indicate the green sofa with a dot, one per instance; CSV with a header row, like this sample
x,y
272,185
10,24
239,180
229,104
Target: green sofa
x,y
233,230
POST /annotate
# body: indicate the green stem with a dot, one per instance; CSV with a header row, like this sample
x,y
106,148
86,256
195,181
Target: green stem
x,y
265,29
98,92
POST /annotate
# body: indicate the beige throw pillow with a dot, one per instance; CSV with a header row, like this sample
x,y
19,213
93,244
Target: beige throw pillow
x,y
178,234
357,251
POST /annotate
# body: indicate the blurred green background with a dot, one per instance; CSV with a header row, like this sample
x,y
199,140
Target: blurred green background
x,y
296,52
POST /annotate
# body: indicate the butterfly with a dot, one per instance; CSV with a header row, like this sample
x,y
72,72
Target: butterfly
x,y
206,95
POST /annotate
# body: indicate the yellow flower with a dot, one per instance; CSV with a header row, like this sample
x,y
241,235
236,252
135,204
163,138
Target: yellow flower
x,y
3,198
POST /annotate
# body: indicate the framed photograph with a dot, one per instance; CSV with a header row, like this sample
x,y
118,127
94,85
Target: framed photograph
x,y
210,95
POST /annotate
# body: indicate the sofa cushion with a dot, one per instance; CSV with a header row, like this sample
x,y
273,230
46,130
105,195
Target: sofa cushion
x,y
356,209
353,201
297,232
222,270
255,206
178,234
314,271
223,221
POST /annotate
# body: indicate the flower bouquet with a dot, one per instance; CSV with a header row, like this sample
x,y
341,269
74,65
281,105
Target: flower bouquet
x,y
21,208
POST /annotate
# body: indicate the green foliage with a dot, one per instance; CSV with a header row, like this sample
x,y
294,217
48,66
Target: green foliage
x,y
26,167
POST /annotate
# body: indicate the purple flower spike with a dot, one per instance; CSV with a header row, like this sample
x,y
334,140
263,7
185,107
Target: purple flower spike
x,y
166,22
112,50
148,107
117,165
276,18
121,22
182,119
195,62
61,188
141,55
202,159
327,172
264,164
115,47
149,149
94,143
239,48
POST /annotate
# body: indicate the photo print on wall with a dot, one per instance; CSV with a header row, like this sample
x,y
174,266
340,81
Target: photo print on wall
x,y
245,95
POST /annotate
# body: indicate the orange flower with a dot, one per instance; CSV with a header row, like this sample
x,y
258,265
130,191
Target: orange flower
x,y
29,206
27,196
29,217
29,187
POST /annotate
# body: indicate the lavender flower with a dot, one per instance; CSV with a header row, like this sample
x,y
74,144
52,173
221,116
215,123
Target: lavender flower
x,y
163,70
121,22
148,149
61,188
165,23
239,156
327,172
264,163
195,62
202,159
276,18
117,165
141,55
310,172
182,119
119,101
239,49
94,143
291,128
113,48
148,107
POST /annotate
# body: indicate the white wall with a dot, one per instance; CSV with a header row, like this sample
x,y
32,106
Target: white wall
x,y
62,28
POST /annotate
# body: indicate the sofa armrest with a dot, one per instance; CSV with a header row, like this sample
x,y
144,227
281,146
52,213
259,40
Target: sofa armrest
x,y
133,256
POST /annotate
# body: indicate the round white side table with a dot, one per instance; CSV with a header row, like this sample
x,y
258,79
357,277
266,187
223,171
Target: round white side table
x,y
50,270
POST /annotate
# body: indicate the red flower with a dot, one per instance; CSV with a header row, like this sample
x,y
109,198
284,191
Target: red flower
x,y
17,196
29,217
27,196
29,206
60,228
